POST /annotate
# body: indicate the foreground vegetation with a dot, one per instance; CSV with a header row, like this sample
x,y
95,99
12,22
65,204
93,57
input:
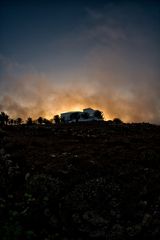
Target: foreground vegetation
x,y
80,181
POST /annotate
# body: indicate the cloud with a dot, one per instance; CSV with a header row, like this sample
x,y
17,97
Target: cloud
x,y
34,95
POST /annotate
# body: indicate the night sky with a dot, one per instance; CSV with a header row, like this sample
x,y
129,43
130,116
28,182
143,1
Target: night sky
x,y
57,56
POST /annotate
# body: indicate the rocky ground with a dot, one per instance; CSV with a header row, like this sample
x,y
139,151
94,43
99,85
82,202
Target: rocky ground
x,y
80,181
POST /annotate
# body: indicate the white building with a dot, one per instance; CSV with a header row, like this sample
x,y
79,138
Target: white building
x,y
90,111
66,117
88,114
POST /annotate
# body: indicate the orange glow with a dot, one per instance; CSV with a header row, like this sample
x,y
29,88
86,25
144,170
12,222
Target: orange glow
x,y
36,96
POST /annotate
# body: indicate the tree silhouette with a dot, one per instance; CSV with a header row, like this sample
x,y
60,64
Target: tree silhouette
x,y
40,120
29,121
56,119
98,114
1,120
117,121
14,121
11,121
4,118
46,121
62,119
19,121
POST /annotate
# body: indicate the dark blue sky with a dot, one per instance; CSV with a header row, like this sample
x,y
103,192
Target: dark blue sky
x,y
32,30
99,47
39,32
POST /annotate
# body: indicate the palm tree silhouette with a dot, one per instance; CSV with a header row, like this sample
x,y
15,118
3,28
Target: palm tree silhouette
x,y
4,118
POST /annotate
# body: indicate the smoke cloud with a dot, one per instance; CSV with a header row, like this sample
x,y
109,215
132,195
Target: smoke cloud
x,y
35,96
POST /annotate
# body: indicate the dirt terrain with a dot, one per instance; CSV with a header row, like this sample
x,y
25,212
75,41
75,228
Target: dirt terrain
x,y
80,181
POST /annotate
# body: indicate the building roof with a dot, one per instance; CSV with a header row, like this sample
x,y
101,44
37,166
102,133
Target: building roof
x,y
86,109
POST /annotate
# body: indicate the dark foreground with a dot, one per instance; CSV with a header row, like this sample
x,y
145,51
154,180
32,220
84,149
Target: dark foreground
x,y
77,182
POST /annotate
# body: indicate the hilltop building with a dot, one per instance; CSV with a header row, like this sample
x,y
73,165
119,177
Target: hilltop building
x,y
88,114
